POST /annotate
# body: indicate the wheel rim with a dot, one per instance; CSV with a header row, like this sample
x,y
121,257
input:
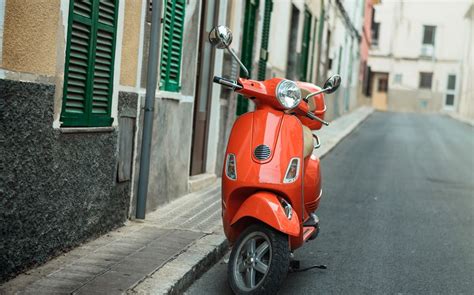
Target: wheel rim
x,y
252,261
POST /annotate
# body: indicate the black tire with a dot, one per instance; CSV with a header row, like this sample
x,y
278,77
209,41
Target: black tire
x,y
277,258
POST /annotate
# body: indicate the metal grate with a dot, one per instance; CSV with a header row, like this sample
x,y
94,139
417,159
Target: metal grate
x,y
262,152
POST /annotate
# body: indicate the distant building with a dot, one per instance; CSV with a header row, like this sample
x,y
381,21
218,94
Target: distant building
x,y
466,96
415,57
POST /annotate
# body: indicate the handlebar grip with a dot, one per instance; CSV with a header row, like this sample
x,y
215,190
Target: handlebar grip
x,y
227,82
217,79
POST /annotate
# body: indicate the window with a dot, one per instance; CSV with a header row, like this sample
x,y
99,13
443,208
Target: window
x,y
173,28
375,34
397,79
330,64
375,27
429,35
383,85
450,91
426,80
89,66
451,82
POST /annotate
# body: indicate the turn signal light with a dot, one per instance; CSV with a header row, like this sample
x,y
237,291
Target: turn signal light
x,y
230,168
292,171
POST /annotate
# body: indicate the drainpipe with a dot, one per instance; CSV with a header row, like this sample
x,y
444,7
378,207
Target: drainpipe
x,y
152,76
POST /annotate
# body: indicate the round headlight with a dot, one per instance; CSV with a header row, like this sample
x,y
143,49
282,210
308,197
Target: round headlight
x,y
288,94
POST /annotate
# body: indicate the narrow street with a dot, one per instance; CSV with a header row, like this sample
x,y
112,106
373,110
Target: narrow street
x,y
397,214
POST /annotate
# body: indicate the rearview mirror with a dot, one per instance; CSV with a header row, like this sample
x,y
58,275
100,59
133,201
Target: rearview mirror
x,y
332,83
220,37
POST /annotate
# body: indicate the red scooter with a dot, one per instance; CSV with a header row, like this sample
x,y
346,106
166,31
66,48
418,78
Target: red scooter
x,y
271,182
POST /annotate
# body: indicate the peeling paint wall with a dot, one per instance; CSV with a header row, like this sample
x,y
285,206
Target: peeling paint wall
x,y
131,42
29,36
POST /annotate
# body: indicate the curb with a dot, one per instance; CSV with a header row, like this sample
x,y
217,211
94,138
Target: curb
x,y
179,273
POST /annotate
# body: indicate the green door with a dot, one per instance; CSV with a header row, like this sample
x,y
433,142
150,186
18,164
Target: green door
x,y
251,8
305,46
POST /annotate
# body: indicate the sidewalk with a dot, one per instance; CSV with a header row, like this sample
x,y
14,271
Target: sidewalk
x,y
163,254
460,118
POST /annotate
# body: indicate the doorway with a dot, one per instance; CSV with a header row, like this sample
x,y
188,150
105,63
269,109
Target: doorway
x,y
203,94
379,91
291,67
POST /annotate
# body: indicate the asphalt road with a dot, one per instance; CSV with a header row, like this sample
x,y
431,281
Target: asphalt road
x,y
397,214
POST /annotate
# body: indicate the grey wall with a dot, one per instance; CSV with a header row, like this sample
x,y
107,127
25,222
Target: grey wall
x,y
170,152
56,190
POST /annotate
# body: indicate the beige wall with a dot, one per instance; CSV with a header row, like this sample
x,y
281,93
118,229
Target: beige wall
x,y
29,36
131,42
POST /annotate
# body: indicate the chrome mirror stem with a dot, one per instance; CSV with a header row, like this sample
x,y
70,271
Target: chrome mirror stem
x,y
239,61
316,93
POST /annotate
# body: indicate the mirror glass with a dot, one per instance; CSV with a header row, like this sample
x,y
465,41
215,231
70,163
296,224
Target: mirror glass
x,y
220,37
332,83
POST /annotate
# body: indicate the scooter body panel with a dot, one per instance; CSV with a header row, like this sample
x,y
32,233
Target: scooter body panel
x,y
283,134
266,207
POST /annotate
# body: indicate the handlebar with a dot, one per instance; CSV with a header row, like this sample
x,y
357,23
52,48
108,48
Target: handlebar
x,y
314,117
227,83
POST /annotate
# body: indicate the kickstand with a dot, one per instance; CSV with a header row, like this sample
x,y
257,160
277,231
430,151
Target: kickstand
x,y
295,266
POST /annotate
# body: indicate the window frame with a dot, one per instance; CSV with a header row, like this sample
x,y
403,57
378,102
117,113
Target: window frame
x,y
88,118
421,84
433,35
166,83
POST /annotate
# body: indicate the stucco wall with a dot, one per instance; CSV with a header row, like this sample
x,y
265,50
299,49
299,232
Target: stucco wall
x,y
29,36
414,100
130,43
57,190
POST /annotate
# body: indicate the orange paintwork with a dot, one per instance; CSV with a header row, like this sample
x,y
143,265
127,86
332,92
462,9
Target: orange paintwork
x,y
253,196
312,179
266,207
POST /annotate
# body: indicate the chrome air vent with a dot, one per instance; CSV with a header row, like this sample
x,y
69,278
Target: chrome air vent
x,y
262,152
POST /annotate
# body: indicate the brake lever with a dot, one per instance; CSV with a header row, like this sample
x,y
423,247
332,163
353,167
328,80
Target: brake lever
x,y
314,117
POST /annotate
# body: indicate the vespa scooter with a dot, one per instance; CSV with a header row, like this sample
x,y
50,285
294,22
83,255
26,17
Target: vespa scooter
x,y
271,181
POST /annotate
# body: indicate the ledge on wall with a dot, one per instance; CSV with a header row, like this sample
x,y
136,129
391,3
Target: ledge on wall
x,y
87,130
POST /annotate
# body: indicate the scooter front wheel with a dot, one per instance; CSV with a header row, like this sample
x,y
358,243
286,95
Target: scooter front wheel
x,y
259,261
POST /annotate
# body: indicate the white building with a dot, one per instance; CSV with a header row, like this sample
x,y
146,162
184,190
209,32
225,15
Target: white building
x,y
416,53
466,96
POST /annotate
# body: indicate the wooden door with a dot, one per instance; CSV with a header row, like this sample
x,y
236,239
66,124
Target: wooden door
x,y
379,91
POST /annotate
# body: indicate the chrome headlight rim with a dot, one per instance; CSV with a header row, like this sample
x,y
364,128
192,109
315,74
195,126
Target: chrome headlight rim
x,y
279,93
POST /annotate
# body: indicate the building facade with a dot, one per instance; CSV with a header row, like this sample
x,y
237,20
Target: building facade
x,y
414,62
466,96
72,86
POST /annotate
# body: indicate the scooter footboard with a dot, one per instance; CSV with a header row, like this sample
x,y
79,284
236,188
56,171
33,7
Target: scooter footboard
x,y
266,207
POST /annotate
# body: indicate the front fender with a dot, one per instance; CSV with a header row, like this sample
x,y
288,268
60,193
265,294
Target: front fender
x,y
266,207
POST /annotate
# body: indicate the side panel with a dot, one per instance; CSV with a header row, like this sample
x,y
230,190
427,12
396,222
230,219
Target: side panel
x,y
312,184
253,176
266,207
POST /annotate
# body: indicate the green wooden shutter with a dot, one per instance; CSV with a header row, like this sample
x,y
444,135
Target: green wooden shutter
x,y
305,45
173,27
251,7
89,66
262,63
